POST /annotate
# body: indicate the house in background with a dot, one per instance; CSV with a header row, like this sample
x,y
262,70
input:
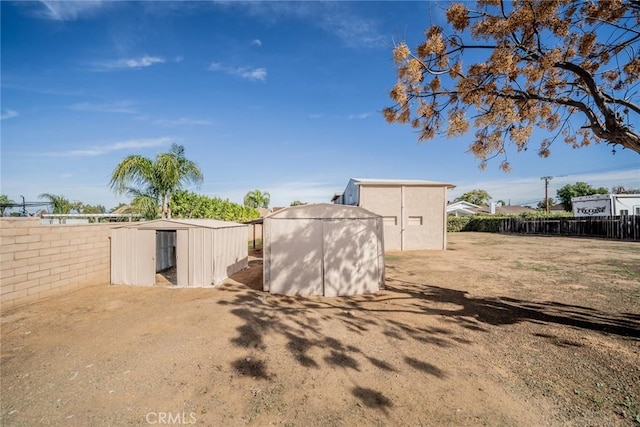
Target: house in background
x,y
462,208
557,208
413,211
505,209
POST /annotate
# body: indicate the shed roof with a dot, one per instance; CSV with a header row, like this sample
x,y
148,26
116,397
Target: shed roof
x,y
405,182
323,211
180,224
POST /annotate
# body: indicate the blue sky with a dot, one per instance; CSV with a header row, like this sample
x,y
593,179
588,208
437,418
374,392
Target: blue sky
x,y
285,97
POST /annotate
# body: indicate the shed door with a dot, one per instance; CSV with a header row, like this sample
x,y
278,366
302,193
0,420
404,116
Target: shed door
x,y
296,257
133,257
145,253
350,257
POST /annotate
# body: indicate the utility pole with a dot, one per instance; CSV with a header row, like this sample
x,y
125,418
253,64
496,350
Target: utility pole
x,y
546,192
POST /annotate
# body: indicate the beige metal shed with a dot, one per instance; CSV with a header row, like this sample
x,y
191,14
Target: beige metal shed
x,y
204,252
323,249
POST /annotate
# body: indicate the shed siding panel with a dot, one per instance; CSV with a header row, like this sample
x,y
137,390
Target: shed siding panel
x,y
231,253
182,257
350,257
295,262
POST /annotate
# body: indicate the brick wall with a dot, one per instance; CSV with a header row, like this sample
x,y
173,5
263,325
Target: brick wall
x,y
39,260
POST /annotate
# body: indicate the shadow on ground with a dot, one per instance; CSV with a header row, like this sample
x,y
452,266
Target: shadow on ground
x,y
299,321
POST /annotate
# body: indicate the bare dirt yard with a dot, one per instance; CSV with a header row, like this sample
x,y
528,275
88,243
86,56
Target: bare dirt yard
x,y
499,330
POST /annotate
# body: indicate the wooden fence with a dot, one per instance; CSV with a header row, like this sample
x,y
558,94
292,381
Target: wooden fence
x,y
614,227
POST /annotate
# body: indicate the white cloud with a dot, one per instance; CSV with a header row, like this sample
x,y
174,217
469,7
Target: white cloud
x,y
69,10
335,18
358,116
182,121
98,150
127,63
145,61
9,114
353,30
255,74
114,107
252,74
256,42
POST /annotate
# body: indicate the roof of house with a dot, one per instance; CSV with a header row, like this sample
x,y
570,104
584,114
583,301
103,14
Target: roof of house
x,y
405,182
507,210
557,207
462,206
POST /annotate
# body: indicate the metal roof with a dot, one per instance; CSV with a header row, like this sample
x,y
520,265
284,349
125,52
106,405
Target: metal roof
x,y
179,224
323,211
405,182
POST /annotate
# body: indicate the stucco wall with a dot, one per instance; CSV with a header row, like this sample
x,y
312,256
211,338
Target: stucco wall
x,y
427,206
414,216
39,260
386,202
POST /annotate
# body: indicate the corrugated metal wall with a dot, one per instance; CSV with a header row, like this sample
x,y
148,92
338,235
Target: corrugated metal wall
x,y
133,257
203,256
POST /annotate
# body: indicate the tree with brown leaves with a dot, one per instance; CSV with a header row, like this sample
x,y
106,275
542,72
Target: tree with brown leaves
x,y
568,67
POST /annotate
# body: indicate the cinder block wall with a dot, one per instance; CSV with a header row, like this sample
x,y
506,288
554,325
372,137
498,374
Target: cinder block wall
x,y
39,260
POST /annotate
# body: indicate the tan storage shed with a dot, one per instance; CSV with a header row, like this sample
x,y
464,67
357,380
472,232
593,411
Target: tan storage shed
x,y
204,252
323,249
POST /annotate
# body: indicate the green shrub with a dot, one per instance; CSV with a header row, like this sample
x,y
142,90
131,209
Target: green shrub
x,y
491,223
457,223
186,204
488,224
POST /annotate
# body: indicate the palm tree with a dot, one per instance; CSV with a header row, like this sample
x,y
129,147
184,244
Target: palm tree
x,y
151,183
60,204
257,199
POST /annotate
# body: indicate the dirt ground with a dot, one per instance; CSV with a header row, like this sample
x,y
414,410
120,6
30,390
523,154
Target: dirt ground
x,y
498,330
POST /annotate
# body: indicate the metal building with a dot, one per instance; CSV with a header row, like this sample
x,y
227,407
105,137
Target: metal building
x,y
323,249
204,252
414,212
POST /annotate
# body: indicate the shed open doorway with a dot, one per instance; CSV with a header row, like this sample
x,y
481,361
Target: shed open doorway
x,y
166,258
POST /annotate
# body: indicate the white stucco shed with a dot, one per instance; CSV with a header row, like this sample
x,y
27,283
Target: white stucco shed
x,y
204,252
323,249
